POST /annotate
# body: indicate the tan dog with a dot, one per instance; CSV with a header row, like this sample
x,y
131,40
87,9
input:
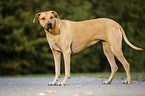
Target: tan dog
x,y
71,37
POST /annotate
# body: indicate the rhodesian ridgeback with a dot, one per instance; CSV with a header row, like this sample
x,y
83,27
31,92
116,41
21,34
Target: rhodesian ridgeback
x,y
69,37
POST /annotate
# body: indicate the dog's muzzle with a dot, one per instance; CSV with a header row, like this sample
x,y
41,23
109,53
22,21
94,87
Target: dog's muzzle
x,y
49,25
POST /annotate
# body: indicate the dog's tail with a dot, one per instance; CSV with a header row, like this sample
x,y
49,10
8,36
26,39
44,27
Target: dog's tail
x,y
127,41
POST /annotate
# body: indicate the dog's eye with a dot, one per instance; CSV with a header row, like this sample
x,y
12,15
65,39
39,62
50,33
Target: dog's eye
x,y
43,18
51,17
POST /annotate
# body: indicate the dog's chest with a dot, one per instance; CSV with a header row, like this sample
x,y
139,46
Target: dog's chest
x,y
56,47
54,43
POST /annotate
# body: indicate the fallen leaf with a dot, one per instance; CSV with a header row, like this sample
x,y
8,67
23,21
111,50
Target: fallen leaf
x,y
42,94
10,83
79,85
27,93
90,93
49,91
76,95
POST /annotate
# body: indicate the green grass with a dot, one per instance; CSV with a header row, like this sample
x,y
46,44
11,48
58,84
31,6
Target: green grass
x,y
118,75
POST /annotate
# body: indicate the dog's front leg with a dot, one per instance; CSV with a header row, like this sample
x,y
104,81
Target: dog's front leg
x,y
57,59
66,55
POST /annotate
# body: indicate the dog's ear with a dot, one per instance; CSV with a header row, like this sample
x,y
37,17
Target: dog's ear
x,y
55,14
36,16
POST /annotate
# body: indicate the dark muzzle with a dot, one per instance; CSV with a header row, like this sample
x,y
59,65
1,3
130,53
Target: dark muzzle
x,y
49,25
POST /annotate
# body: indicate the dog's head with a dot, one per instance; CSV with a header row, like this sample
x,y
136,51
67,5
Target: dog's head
x,y
46,19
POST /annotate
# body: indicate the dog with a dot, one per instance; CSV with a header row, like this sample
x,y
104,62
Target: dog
x,y
70,37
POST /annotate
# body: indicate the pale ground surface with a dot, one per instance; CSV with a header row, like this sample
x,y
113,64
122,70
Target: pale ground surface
x,y
76,86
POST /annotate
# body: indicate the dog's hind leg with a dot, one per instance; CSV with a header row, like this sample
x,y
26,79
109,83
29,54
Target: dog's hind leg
x,y
57,59
116,48
118,53
110,57
114,39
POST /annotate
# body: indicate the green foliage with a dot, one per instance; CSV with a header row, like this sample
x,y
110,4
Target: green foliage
x,y
24,48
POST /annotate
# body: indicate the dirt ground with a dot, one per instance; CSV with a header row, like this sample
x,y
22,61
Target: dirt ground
x,y
76,86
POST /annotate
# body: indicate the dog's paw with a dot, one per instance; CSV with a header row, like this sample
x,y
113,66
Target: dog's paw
x,y
106,82
51,84
61,84
127,82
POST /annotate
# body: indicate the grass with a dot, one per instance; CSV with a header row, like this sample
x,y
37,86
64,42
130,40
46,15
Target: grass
x,y
118,75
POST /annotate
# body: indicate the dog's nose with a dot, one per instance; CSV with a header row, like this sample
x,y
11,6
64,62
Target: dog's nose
x,y
49,25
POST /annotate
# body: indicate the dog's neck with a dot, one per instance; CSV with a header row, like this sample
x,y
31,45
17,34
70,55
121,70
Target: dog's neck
x,y
57,24
56,27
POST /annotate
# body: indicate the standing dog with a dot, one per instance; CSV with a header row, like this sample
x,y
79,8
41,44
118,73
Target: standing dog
x,y
71,37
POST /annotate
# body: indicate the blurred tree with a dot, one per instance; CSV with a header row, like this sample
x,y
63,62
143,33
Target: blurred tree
x,y
24,48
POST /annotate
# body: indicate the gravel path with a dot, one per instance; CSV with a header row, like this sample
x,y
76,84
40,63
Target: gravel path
x,y
76,86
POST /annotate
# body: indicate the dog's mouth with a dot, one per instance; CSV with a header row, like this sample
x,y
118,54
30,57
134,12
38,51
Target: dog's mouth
x,y
48,29
49,26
